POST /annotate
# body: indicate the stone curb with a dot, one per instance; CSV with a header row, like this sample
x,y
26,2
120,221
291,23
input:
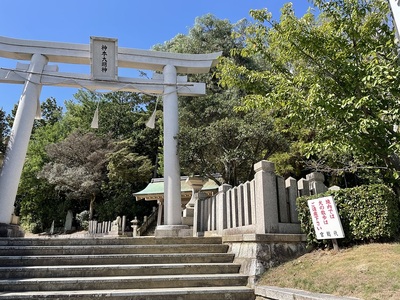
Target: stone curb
x,y
277,293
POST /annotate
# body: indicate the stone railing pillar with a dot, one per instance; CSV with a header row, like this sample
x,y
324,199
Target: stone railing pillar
x,y
199,215
291,187
221,208
304,187
266,198
316,181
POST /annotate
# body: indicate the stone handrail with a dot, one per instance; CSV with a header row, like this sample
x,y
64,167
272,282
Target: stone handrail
x,y
148,221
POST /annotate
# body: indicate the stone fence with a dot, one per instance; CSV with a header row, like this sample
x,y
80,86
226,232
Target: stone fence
x,y
112,228
257,219
265,205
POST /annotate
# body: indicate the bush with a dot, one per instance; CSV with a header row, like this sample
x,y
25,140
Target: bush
x,y
36,227
83,219
367,213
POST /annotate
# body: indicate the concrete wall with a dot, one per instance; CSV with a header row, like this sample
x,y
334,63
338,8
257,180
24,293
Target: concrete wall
x,y
257,253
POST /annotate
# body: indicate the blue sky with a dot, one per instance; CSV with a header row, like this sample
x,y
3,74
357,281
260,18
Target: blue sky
x,y
136,24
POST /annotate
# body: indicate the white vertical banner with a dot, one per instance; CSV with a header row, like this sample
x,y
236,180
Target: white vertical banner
x,y
325,217
103,58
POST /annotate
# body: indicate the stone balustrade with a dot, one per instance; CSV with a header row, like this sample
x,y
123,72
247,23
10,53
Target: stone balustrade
x,y
267,204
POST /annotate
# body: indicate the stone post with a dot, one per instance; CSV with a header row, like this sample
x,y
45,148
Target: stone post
x,y
284,211
316,181
221,208
304,187
199,213
134,226
266,198
19,138
291,187
123,224
247,203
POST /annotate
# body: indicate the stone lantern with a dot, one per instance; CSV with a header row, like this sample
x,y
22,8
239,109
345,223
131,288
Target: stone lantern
x,y
196,183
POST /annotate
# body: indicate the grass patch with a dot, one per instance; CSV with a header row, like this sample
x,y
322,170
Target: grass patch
x,y
369,272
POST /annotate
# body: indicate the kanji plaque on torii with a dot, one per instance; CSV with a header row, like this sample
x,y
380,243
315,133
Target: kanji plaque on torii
x,y
103,58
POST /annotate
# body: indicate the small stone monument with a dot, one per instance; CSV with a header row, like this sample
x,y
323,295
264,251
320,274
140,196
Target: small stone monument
x,y
115,226
52,228
68,222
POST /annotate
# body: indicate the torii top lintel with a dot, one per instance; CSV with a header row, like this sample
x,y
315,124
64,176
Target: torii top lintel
x,y
127,58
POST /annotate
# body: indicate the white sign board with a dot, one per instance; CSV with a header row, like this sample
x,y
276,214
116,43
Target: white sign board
x,y
325,218
103,58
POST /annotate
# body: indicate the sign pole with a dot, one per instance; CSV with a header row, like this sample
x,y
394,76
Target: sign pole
x,y
335,245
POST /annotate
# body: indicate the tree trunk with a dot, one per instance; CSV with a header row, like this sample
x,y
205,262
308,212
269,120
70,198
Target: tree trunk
x,y
91,207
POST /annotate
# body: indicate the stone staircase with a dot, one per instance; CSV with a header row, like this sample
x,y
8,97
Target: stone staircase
x,y
120,268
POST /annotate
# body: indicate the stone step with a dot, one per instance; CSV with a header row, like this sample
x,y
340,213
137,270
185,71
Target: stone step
x,y
111,249
108,241
120,268
121,282
54,260
117,270
193,293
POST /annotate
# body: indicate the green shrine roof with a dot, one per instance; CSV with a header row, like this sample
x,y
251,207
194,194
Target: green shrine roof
x,y
155,189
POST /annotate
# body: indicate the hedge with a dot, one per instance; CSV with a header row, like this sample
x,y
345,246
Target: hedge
x,y
368,213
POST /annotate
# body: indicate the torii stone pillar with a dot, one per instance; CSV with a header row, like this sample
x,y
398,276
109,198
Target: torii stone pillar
x,y
19,139
172,179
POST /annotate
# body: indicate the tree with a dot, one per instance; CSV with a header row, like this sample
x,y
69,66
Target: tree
x,y
77,166
330,82
38,201
124,164
4,132
51,113
122,115
215,137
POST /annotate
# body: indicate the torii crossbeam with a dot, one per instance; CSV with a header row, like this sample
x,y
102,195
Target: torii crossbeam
x,y
104,57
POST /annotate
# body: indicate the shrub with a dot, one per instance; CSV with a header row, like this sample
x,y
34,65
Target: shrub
x,y
83,219
367,213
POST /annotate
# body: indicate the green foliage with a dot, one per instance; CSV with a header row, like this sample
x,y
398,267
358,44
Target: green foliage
x,y
124,164
4,132
368,213
61,167
330,81
118,201
83,219
50,113
214,136
77,166
40,203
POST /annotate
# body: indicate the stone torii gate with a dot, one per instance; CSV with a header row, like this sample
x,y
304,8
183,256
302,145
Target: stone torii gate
x,y
104,56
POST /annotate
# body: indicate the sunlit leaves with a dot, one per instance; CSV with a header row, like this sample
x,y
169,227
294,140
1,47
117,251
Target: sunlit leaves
x,y
335,73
